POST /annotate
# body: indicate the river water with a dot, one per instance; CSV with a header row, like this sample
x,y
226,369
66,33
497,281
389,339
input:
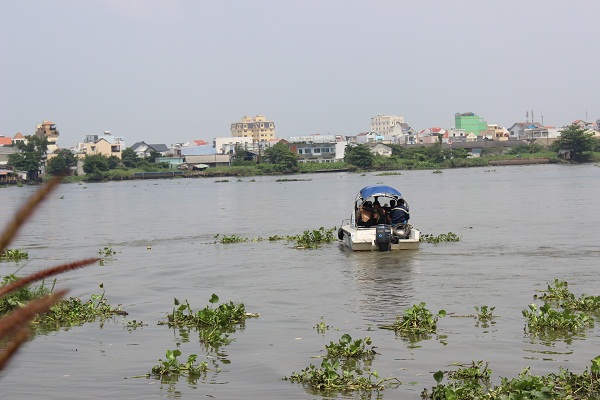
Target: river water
x,y
520,228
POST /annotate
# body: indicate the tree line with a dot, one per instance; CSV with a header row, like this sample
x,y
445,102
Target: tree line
x,y
32,154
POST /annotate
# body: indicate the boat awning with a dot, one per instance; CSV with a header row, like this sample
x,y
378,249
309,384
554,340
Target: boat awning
x,y
379,190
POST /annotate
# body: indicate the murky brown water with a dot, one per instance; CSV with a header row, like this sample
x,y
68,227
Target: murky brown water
x,y
521,228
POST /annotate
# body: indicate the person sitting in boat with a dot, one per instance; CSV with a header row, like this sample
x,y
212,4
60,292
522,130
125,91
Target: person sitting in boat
x,y
365,215
379,214
379,217
399,213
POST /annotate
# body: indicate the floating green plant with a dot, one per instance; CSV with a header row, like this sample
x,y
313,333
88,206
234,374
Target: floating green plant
x,y
215,323
225,239
444,237
322,327
312,239
485,313
347,348
546,318
345,368
388,174
416,320
474,383
13,255
172,367
73,311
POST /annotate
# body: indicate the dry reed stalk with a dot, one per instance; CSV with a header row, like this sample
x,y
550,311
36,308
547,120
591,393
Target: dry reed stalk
x,y
45,274
21,317
10,232
11,348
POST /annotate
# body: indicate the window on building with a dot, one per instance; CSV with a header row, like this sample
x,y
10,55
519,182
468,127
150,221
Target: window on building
x,y
299,151
307,151
317,150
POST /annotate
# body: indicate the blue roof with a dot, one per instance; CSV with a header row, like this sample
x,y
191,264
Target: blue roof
x,y
379,190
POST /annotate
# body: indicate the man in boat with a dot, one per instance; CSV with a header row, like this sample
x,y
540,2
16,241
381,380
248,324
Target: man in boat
x,y
379,214
365,216
399,212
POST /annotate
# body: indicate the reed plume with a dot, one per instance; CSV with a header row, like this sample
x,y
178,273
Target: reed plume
x,y
14,327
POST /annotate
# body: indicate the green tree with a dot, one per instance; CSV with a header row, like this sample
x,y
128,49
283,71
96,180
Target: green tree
x,y
61,163
31,155
113,162
281,154
242,156
94,163
129,158
575,139
359,155
153,156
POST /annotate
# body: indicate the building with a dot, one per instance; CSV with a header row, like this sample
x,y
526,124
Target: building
x,y
143,150
380,149
517,131
257,128
318,148
105,144
470,122
226,145
385,124
48,130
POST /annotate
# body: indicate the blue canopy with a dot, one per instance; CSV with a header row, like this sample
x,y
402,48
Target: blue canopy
x,y
379,190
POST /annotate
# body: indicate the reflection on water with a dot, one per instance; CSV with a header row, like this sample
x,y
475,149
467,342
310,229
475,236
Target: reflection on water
x,y
384,281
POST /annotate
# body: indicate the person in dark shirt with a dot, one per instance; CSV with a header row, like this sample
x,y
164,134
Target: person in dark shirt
x,y
399,212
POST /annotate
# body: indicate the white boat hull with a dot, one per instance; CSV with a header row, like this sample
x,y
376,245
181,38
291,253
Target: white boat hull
x,y
363,239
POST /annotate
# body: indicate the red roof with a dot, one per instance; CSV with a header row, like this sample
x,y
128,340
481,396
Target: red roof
x,y
5,141
200,142
19,135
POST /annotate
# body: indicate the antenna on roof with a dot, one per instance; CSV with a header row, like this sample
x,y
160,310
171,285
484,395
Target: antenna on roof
x,y
542,116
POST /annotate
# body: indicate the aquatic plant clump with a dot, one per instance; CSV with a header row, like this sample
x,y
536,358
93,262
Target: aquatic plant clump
x,y
13,255
215,323
332,377
347,348
172,367
546,318
444,237
21,296
345,368
309,239
73,311
416,320
474,383
559,292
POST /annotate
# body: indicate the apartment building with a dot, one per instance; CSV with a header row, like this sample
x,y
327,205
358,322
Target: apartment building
x,y
257,128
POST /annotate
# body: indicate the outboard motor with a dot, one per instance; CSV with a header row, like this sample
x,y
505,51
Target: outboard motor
x,y
383,237
401,231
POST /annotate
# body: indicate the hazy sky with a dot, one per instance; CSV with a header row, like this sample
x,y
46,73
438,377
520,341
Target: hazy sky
x,y
172,71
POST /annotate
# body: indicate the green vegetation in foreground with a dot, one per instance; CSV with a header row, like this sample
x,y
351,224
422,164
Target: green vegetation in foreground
x,y
65,313
307,240
562,314
21,296
473,382
444,237
215,324
343,369
72,312
172,368
416,322
322,327
13,255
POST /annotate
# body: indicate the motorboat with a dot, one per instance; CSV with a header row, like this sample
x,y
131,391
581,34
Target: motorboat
x,y
361,233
